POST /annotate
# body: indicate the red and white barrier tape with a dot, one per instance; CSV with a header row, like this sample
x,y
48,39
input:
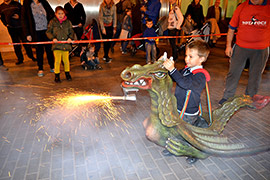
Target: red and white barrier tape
x,y
109,40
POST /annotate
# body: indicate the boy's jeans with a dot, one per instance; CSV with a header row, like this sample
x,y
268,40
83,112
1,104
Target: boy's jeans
x,y
125,43
150,51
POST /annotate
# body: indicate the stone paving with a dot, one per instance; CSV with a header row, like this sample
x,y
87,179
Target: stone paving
x,y
41,137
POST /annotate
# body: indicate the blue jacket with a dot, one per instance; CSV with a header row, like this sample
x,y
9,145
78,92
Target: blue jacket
x,y
150,32
153,8
186,80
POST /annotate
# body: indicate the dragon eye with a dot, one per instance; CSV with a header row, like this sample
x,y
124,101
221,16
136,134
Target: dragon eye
x,y
160,74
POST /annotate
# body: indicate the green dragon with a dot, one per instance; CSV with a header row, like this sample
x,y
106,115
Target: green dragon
x,y
164,126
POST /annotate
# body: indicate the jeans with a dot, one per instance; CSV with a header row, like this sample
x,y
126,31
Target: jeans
x,y
107,45
124,44
151,52
41,37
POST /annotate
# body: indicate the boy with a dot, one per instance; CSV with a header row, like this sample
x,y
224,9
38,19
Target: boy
x,y
189,25
150,44
193,78
89,59
126,30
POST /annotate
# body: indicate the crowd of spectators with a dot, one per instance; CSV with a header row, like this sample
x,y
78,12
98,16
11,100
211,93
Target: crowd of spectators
x,y
127,18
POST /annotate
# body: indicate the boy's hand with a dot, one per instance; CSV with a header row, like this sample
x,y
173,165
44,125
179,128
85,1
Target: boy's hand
x,y
69,40
169,65
55,40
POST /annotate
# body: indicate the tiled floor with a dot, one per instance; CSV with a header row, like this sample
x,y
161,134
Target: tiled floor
x,y
45,136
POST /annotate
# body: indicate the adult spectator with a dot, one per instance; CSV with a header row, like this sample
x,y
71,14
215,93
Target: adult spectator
x,y
10,12
36,15
121,6
108,22
150,10
136,18
252,20
214,16
195,9
77,16
175,21
2,66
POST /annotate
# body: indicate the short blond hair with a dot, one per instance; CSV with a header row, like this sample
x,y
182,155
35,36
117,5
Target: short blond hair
x,y
201,46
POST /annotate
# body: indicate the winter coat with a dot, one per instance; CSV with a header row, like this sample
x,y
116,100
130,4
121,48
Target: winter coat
x,y
77,14
28,22
61,32
7,11
107,16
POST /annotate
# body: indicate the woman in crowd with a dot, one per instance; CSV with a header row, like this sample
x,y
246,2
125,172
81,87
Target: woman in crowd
x,y
195,9
108,24
35,17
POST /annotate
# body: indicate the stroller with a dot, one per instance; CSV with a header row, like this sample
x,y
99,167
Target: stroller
x,y
205,30
90,32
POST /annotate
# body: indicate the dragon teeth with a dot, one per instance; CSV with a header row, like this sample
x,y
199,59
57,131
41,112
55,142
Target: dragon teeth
x,y
136,83
144,83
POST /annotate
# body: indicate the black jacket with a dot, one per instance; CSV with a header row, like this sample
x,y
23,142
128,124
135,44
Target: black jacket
x,y
185,81
76,15
7,11
28,22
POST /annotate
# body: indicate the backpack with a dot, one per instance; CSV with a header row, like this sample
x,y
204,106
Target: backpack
x,y
119,7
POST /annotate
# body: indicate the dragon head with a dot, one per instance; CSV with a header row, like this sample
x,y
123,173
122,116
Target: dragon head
x,y
147,77
155,79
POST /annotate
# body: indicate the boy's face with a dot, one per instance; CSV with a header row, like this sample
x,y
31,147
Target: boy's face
x,y
60,14
149,24
192,58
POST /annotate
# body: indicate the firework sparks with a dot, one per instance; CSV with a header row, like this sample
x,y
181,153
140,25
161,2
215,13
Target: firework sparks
x,y
72,113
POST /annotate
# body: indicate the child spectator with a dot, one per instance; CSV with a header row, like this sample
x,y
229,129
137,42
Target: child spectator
x,y
126,30
88,58
190,79
189,25
60,29
150,44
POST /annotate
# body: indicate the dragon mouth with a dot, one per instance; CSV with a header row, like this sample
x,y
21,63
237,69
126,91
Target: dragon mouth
x,y
142,83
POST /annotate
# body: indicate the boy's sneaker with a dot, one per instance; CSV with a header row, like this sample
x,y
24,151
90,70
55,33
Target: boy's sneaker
x,y
40,73
104,59
52,70
223,100
124,52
